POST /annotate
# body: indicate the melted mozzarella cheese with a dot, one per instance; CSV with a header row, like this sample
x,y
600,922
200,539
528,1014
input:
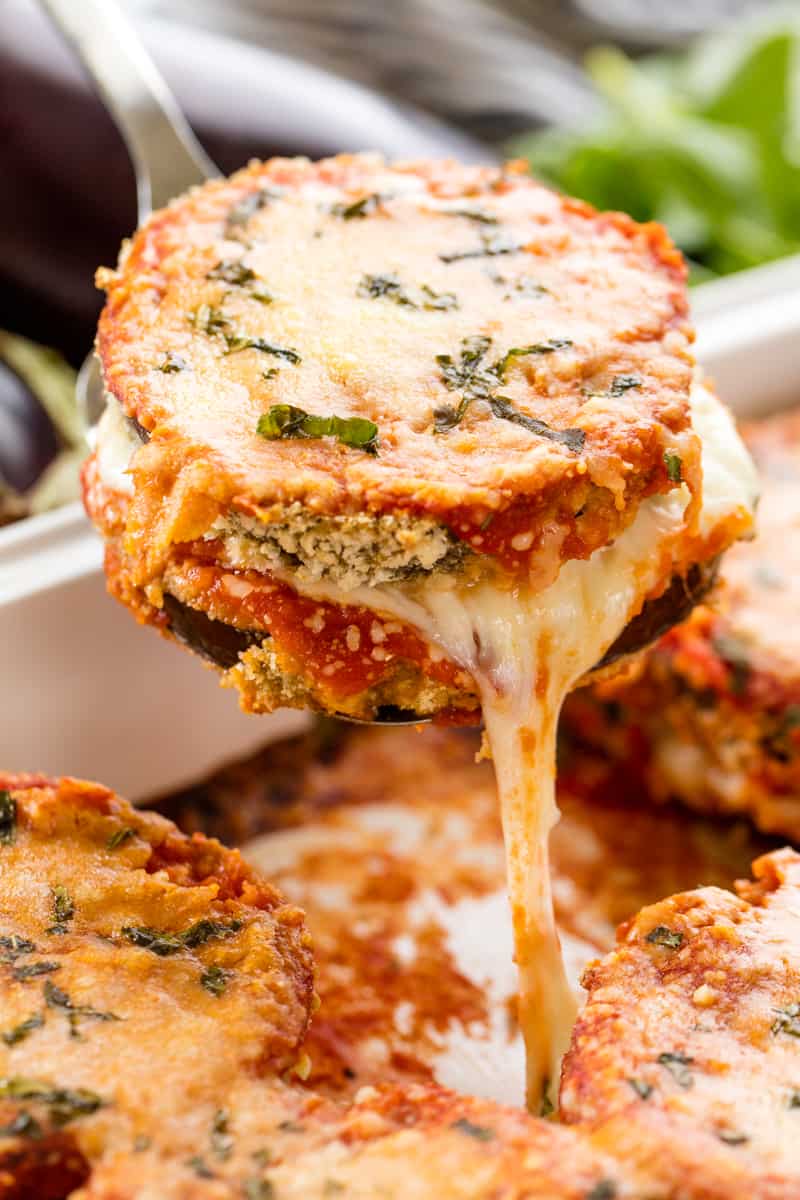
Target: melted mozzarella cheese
x,y
525,651
116,445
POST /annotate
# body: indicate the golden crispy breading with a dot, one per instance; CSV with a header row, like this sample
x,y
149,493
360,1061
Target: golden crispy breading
x,y
369,287
142,972
711,715
690,1039
390,1143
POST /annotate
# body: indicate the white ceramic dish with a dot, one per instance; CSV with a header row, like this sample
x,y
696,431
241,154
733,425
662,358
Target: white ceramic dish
x,y
84,690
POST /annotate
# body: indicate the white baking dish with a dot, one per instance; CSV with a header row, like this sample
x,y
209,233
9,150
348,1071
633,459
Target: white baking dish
x,y
84,690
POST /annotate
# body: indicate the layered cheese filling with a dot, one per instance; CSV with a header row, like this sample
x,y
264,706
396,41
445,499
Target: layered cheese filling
x,y
526,649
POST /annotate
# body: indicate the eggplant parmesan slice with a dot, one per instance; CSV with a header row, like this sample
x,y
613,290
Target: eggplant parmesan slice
x,y
687,1049
436,432
143,973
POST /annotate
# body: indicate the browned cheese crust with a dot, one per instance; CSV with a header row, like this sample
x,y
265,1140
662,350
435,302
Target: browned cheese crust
x,y
688,1046
711,715
143,974
261,290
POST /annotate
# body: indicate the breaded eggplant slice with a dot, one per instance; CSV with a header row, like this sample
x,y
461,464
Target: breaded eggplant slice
x,y
347,376
143,974
391,1143
711,715
689,1048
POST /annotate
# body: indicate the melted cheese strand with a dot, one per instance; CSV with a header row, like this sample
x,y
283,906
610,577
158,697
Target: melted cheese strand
x,y
526,650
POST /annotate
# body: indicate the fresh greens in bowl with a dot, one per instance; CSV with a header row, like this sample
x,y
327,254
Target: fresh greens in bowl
x,y
707,141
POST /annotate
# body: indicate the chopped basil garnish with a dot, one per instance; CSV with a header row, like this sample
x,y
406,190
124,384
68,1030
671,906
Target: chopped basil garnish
x,y
65,1104
476,381
238,341
205,930
162,943
200,1167
287,421
548,347
221,1140
437,301
232,271
641,1087
375,287
359,208
55,997
120,837
258,1189
210,320
731,1137
18,1033
674,465
491,246
524,285
31,970
663,936
247,207
573,439
63,910
623,383
215,323
8,818
678,1066
469,376
472,214
787,1020
214,980
446,416
14,946
172,363
158,942
480,1133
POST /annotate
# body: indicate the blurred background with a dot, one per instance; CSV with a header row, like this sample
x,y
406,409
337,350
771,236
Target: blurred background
x,y
684,112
